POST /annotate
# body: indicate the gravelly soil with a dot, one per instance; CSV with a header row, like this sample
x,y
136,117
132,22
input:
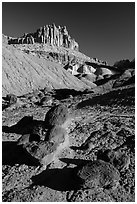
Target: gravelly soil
x,y
98,122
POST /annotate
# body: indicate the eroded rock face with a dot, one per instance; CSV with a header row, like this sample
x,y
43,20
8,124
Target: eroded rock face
x,y
50,34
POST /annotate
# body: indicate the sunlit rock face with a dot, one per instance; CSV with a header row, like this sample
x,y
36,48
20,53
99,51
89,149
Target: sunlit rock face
x,y
49,34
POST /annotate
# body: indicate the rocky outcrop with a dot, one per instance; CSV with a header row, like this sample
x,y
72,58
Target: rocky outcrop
x,y
49,34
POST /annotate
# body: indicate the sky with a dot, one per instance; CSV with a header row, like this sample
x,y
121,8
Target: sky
x,y
103,30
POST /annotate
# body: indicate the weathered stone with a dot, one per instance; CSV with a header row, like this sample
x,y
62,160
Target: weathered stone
x,y
51,34
39,150
56,134
46,152
56,116
26,138
120,160
99,174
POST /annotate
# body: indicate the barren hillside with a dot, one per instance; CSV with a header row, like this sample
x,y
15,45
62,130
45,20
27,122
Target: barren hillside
x,y
22,73
68,122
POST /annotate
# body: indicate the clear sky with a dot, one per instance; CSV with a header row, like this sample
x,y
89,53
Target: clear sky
x,y
103,30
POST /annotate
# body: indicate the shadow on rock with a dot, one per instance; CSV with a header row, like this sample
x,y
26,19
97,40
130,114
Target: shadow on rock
x,y
4,106
111,98
105,80
74,161
65,93
57,179
24,126
13,154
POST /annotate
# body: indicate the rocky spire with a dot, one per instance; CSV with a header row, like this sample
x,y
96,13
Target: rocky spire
x,y
49,34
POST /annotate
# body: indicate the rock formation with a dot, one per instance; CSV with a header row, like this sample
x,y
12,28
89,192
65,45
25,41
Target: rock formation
x,y
93,175
49,34
99,173
56,116
42,147
118,159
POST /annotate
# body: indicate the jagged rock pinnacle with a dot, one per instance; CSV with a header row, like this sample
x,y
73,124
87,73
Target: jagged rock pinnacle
x,y
48,34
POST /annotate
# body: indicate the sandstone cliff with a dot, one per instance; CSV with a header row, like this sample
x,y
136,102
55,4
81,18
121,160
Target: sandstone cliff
x,y
49,34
